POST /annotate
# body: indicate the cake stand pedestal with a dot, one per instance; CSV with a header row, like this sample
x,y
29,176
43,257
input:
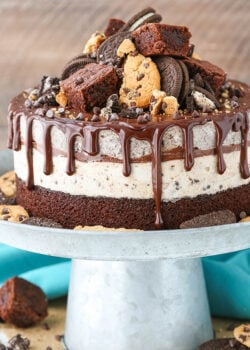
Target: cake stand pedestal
x,y
132,290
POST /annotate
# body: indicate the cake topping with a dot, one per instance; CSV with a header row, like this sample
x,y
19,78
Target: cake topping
x,y
13,213
8,184
93,43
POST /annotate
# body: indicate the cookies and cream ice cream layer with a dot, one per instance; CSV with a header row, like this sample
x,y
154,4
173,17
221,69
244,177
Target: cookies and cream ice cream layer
x,y
102,175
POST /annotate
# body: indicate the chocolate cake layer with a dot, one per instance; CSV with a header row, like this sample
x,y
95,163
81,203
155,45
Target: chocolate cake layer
x,y
71,210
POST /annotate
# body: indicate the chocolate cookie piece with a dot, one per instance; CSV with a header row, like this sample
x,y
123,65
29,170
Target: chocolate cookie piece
x,y
220,217
90,86
107,52
208,71
222,344
113,26
22,303
148,15
76,64
42,222
162,39
185,82
171,75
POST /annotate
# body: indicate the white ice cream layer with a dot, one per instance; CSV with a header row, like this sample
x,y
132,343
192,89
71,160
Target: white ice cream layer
x,y
105,179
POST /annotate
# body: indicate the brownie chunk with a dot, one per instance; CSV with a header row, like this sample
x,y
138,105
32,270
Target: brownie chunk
x,y
90,86
162,39
213,74
113,26
222,344
22,303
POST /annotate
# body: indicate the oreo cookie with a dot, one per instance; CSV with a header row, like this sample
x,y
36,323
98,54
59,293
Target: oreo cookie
x,y
75,64
148,15
222,344
185,82
107,52
42,222
171,75
209,95
220,217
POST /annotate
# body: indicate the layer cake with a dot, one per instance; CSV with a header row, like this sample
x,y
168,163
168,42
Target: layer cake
x,y
89,149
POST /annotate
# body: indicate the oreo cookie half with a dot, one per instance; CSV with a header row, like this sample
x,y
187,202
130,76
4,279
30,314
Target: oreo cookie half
x,y
75,64
148,15
171,75
106,52
185,83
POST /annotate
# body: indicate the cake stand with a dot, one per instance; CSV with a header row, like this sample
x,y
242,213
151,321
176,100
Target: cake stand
x,y
132,290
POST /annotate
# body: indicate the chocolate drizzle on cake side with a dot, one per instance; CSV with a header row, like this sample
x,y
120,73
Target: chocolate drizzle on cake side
x,y
151,132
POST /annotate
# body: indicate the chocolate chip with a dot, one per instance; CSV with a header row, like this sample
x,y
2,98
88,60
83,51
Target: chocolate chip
x,y
243,214
234,104
50,113
49,348
5,211
28,103
195,114
134,53
246,329
61,110
46,326
79,80
243,337
58,337
97,110
21,218
95,118
140,76
146,65
40,111
176,116
6,217
113,117
19,343
79,116
143,118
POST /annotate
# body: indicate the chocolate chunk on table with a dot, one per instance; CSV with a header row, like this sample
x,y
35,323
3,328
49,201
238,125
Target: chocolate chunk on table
x,y
90,86
162,39
22,303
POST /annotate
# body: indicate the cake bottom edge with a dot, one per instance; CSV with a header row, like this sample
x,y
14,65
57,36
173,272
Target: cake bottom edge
x,y
72,210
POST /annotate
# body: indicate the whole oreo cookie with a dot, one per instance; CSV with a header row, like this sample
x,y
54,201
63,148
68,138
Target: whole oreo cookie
x,y
171,75
222,344
107,52
148,15
75,64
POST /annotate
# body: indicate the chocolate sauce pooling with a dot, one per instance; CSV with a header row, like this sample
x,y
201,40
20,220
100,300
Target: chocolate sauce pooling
x,y
236,120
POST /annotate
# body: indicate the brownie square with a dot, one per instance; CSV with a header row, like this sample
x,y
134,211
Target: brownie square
x,y
22,303
213,74
90,86
162,39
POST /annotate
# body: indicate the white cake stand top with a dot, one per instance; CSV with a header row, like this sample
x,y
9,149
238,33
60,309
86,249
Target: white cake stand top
x,y
118,245
147,245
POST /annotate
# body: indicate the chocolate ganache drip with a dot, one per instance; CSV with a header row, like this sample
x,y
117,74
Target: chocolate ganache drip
x,y
152,132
